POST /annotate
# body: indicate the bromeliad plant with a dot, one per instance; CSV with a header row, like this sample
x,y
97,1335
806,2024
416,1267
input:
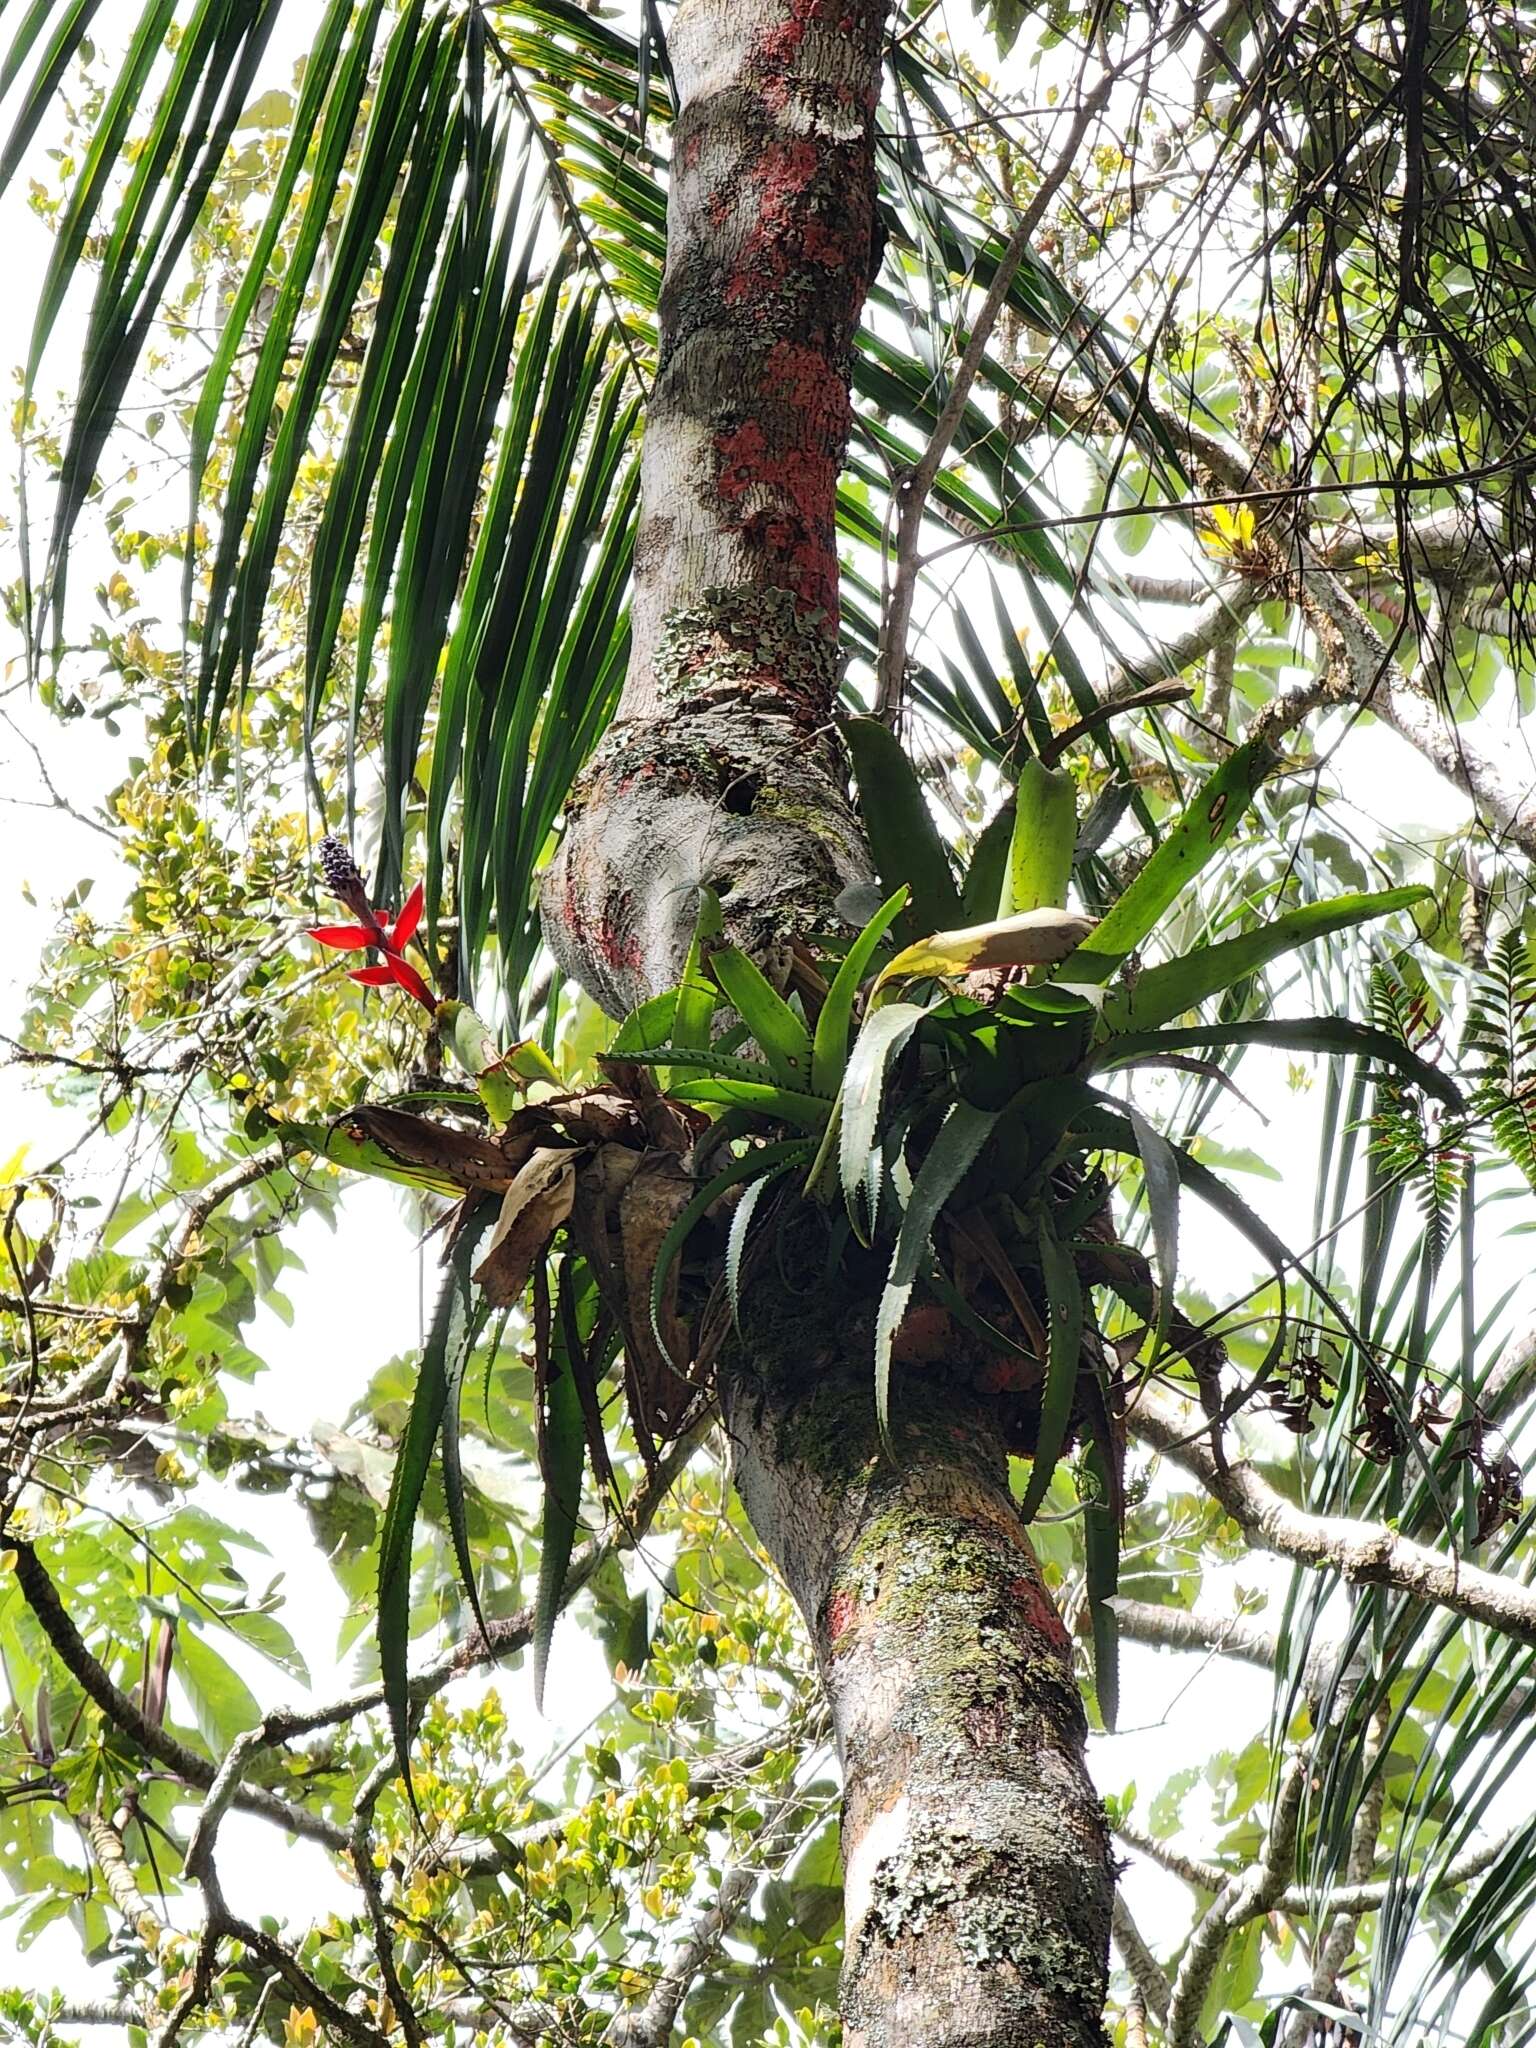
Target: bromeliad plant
x,y
939,1088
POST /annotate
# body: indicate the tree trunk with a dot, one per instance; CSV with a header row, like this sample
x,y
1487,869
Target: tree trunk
x,y
978,1879
722,766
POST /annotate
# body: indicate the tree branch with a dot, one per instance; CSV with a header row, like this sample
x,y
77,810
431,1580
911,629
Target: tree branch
x,y
1214,623
1362,669
1147,1973
651,2026
1362,1553
1333,1952
1256,1891
284,1724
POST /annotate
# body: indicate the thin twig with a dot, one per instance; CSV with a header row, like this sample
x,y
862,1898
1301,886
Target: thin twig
x,y
912,490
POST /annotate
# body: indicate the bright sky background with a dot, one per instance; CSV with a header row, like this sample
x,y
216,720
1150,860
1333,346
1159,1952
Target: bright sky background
x,y
1176,1709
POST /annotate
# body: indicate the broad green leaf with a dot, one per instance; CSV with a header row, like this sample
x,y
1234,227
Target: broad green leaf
x,y
1040,849
902,835
986,873
781,1036
829,1052
736,1236
1204,827
1160,1176
787,1105
961,1136
646,1028
1334,1037
881,1037
761,1161
697,995
1178,985
1035,938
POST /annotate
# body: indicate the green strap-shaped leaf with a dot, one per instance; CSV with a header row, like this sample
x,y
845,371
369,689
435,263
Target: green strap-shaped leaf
x,y
1201,831
457,1364
697,995
1101,1555
1160,1176
451,1328
963,1133
881,1037
829,1052
344,1146
1064,1301
736,1236
987,871
70,20
1337,1037
902,835
764,1159
562,1459
781,1036
700,1061
1103,1125
646,1028
1182,984
1039,872
786,1105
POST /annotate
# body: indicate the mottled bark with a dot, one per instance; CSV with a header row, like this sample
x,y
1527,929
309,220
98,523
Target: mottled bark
x,y
978,1875
722,767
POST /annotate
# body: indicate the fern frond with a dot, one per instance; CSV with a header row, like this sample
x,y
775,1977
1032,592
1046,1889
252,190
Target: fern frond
x,y
1500,1035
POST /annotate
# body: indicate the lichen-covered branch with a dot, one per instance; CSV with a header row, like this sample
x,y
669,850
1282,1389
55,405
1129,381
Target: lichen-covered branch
x,y
1363,1553
917,485
506,1636
1245,1897
650,2025
1146,1972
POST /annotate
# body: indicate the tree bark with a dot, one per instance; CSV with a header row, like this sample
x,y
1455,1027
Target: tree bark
x,y
978,1874
722,767
978,1880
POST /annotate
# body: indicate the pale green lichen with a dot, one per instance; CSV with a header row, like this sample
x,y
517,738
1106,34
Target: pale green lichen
x,y
745,633
986,1897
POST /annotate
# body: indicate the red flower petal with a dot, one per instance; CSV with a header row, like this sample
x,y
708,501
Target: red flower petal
x,y
341,935
410,916
400,973
412,983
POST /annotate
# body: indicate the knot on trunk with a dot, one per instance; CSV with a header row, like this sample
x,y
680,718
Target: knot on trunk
x,y
731,792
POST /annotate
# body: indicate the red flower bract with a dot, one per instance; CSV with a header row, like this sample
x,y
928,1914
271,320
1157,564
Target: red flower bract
x,y
381,936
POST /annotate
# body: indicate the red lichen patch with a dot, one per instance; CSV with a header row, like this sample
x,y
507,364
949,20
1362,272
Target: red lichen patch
x,y
802,377
1007,1376
805,213
615,940
1038,1612
779,50
842,1612
794,531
